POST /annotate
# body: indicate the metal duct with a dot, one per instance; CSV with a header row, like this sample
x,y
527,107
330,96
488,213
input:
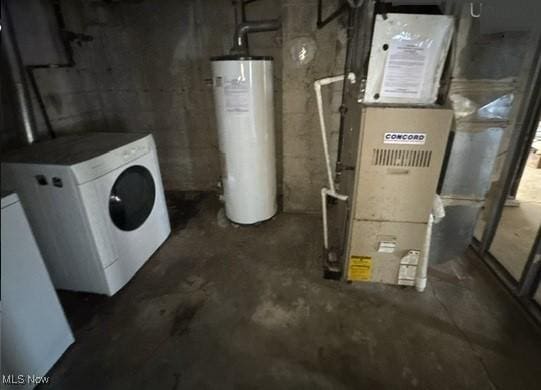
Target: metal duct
x,y
242,29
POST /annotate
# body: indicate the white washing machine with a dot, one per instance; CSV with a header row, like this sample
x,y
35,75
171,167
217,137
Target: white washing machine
x,y
96,205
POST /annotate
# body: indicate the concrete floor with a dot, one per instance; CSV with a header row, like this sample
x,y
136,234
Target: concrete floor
x,y
224,307
529,189
516,235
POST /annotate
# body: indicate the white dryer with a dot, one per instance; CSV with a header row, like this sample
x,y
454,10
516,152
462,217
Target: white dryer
x,y
35,332
96,205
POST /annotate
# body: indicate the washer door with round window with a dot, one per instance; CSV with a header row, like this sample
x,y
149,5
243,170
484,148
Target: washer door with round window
x,y
127,216
132,198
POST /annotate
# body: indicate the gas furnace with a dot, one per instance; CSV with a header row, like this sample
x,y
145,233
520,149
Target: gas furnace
x,y
399,160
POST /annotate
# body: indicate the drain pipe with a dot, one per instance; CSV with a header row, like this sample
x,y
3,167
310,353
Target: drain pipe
x,y
10,51
422,268
438,212
331,190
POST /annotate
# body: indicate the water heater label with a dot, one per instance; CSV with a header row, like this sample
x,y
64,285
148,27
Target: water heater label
x,y
404,138
237,93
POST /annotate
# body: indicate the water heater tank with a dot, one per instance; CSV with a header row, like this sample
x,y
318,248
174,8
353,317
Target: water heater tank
x,y
243,99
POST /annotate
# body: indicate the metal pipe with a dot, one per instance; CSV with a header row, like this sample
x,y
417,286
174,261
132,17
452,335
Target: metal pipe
x,y
343,108
238,8
244,28
323,22
39,98
17,74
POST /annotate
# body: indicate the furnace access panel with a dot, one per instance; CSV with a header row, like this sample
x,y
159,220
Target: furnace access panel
x,y
398,165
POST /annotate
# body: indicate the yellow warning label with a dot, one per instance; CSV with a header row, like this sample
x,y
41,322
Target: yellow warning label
x,y
360,268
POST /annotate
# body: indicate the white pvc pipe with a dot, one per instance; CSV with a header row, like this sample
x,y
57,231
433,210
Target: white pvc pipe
x,y
324,215
422,267
317,87
324,193
437,214
331,191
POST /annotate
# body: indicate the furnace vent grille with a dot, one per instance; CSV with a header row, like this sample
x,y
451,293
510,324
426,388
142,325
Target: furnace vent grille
x,y
401,158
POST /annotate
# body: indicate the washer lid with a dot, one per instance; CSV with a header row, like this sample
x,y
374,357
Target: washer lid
x,y
71,149
8,198
127,154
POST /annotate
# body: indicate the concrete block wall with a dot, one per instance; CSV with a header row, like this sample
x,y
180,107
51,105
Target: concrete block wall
x,y
303,161
72,99
147,69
